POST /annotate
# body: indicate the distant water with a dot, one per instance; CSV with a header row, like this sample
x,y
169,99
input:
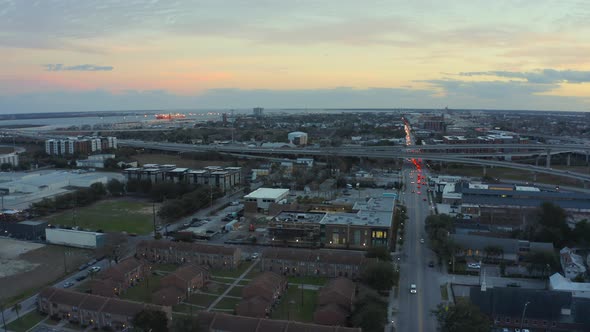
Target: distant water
x,y
52,123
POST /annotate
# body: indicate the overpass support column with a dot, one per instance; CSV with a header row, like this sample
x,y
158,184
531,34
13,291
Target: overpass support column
x,y
548,164
485,171
569,159
537,161
534,176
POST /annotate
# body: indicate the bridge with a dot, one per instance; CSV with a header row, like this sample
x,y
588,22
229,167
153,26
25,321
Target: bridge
x,y
378,153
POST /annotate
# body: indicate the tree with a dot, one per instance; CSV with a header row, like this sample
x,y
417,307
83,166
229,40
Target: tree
x,y
98,189
185,324
552,225
545,262
151,320
16,308
5,167
381,253
461,317
111,163
379,276
115,187
370,313
581,233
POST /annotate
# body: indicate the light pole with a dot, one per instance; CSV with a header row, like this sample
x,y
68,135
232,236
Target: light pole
x,y
523,313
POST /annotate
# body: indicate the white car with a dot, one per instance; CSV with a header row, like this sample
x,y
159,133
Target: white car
x,y
474,265
95,269
413,289
421,240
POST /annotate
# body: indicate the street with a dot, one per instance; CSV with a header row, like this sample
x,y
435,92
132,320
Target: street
x,y
414,312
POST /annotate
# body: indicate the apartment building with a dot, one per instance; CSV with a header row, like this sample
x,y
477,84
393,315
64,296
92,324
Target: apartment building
x,y
213,256
261,294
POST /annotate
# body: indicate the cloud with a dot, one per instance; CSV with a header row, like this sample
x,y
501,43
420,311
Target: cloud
x,y
544,76
85,67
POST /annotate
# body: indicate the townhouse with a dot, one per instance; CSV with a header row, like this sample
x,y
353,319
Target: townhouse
x,y
335,302
90,310
305,262
177,286
117,279
261,294
212,256
215,321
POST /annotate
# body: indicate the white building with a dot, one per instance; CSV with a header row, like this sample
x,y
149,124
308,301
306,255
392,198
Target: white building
x,y
297,138
304,161
95,161
571,263
265,196
578,289
9,158
74,238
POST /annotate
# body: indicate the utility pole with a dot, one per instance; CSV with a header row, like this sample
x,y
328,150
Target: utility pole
x,y
154,217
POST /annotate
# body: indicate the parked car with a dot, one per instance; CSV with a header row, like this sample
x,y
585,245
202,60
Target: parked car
x,y
431,264
474,265
68,284
95,269
81,277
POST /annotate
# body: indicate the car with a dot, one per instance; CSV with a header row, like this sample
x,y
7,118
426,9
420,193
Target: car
x,y
68,284
512,284
81,277
83,267
424,199
95,269
186,224
431,264
422,240
413,289
474,265
255,255
419,192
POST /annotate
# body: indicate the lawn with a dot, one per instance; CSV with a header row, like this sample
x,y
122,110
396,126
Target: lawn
x,y
109,216
444,292
215,287
297,305
202,300
26,322
308,280
143,291
236,291
232,273
227,303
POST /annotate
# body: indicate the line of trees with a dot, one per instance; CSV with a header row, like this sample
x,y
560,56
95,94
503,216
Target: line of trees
x,y
189,202
438,228
79,197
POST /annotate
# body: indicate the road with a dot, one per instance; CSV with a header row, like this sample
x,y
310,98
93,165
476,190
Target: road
x,y
414,312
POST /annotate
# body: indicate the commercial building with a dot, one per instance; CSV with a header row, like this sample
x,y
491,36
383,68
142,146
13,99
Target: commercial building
x,y
215,321
305,262
512,250
297,138
92,311
26,230
79,145
219,177
95,161
261,294
558,282
508,207
49,181
74,238
545,310
213,256
261,199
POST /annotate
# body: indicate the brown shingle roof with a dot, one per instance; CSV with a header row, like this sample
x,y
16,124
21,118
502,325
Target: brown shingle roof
x,y
47,292
264,285
253,307
187,273
331,314
184,246
323,256
93,302
338,291
66,297
121,307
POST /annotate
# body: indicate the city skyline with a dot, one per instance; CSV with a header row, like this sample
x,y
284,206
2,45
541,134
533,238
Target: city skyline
x,y
110,55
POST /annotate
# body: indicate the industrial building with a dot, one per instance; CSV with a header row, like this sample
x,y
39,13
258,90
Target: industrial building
x,y
297,138
25,230
224,178
74,238
79,145
261,199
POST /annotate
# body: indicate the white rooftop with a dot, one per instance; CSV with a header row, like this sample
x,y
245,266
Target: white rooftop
x,y
270,193
560,283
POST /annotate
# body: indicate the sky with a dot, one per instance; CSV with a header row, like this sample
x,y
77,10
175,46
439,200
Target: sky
x,y
91,55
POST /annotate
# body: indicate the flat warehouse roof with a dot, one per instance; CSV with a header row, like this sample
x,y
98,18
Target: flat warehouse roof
x,y
267,193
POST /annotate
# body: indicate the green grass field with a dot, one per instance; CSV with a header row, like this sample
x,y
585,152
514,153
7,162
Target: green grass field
x,y
143,291
227,303
308,280
232,273
297,305
110,216
25,322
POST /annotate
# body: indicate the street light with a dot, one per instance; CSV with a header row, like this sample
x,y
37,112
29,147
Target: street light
x,y
523,313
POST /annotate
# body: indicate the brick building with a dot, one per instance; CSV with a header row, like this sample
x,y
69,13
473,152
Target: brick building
x,y
116,279
178,285
335,302
213,256
212,321
261,294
